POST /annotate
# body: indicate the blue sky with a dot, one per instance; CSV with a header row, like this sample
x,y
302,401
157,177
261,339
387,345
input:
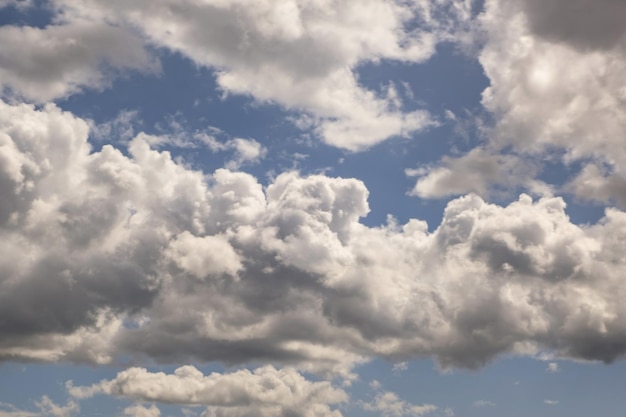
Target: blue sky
x,y
312,208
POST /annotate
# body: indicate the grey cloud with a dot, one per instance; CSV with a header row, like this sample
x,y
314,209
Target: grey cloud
x,y
298,54
597,184
585,24
59,60
482,171
110,255
556,85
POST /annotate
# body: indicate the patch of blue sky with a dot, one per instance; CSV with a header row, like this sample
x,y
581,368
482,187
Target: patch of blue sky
x,y
39,15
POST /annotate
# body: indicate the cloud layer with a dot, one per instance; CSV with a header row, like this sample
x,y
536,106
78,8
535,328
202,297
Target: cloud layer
x,y
112,254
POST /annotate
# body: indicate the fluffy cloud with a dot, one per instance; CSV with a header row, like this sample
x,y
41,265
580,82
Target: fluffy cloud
x,y
110,254
556,87
139,410
265,392
41,64
389,405
303,55
550,94
479,171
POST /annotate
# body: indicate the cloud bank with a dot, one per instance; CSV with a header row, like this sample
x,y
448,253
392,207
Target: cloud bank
x,y
110,254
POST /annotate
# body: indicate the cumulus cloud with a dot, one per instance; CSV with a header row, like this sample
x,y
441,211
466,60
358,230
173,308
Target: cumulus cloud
x,y
389,405
135,255
302,55
479,171
42,64
555,84
555,73
265,392
139,410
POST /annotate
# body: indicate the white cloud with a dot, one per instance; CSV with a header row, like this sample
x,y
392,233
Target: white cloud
x,y
303,55
266,392
389,405
400,367
139,410
49,408
246,151
555,88
120,129
553,368
63,59
478,171
483,403
139,256
551,402
46,407
9,410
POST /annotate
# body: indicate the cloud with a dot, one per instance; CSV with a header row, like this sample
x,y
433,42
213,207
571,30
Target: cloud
x,y
600,184
246,151
19,4
483,403
555,84
551,402
555,92
400,367
299,54
553,368
42,64
584,24
48,407
479,171
139,410
45,406
389,405
265,392
134,255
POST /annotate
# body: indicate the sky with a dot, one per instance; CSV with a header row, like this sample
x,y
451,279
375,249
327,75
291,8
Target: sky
x,y
312,208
